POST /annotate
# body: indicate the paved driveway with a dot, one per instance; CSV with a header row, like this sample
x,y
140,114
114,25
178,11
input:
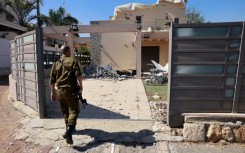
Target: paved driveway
x,y
110,99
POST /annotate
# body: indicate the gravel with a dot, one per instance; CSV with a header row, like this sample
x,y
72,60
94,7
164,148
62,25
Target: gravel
x,y
159,110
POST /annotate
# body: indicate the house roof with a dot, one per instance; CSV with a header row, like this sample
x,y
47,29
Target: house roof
x,y
12,25
137,6
174,1
130,6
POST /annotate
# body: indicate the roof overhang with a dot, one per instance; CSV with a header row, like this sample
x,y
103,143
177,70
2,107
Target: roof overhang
x,y
12,25
155,35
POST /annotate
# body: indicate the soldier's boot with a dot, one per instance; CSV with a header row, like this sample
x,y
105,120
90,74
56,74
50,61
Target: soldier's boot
x,y
68,134
64,135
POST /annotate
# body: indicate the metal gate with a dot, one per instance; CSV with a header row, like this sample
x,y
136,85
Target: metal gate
x,y
207,72
26,69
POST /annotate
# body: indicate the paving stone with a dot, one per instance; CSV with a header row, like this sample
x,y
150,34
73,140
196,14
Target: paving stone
x,y
194,132
48,135
148,139
35,123
167,137
82,139
160,127
22,135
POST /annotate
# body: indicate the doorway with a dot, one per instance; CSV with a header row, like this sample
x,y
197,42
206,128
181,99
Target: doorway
x,y
149,53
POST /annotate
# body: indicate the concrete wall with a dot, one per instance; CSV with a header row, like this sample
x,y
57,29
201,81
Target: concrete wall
x,y
163,53
4,57
118,49
122,55
103,44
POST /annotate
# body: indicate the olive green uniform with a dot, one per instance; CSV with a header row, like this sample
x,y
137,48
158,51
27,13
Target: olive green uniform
x,y
68,99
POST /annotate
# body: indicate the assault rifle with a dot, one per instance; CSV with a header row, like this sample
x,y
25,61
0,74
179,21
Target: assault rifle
x,y
83,101
75,84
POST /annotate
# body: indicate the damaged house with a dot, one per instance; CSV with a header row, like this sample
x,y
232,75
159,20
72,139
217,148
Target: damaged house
x,y
119,50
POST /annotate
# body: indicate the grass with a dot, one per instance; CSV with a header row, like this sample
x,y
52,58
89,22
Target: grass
x,y
158,90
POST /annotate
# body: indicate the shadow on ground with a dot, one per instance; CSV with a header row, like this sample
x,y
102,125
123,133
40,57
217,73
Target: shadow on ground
x,y
90,112
122,138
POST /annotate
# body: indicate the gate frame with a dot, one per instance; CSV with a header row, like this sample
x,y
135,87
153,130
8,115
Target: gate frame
x,y
40,72
239,76
56,32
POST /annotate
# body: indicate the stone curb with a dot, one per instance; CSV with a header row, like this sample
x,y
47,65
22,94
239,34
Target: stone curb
x,y
214,132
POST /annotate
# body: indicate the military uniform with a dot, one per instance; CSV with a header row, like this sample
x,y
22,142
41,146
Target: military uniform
x,y
68,99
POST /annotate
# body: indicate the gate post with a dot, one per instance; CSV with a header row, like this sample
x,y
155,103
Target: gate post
x,y
138,54
239,74
40,72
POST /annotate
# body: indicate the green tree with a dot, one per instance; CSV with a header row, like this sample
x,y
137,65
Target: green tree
x,y
194,16
58,17
20,11
84,50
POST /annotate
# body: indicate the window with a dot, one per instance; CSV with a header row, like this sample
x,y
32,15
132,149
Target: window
x,y
236,31
229,93
230,81
30,66
232,69
199,69
201,32
28,38
234,44
233,57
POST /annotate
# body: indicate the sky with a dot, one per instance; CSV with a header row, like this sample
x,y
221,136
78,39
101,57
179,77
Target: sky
x,y
92,10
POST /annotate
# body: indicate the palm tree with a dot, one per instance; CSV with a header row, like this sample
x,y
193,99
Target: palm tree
x,y
21,11
58,17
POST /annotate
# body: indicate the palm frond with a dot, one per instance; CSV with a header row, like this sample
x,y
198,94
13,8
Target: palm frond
x,y
60,17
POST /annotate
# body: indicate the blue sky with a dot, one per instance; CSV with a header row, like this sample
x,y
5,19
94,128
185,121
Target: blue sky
x,y
90,10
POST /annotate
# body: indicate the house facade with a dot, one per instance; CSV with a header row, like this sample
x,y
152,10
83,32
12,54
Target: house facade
x,y
119,50
8,30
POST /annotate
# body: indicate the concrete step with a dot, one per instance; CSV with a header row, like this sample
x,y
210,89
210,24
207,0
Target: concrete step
x,y
213,117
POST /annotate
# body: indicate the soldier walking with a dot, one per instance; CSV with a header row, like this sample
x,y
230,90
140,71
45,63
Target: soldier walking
x,y
60,77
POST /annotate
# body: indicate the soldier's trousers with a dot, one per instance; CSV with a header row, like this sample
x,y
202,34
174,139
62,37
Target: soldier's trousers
x,y
69,105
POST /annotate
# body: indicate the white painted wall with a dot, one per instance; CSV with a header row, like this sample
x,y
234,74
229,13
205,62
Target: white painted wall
x,y
117,50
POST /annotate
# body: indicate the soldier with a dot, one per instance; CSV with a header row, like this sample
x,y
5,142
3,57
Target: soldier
x,y
68,99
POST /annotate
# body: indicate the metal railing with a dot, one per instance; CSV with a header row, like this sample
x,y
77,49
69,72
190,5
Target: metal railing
x,y
52,56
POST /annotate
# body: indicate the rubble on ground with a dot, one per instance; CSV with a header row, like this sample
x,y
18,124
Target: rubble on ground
x,y
159,110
